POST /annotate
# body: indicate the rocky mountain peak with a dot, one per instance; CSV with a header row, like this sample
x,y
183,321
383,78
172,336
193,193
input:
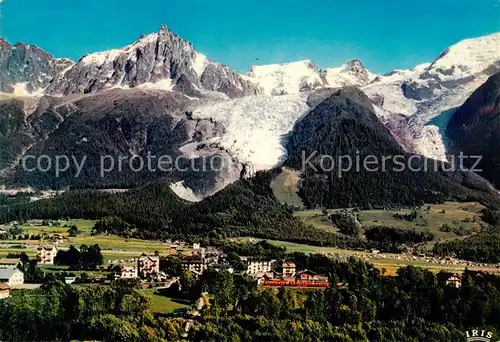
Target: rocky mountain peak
x,y
463,63
357,69
354,64
27,66
160,60
351,73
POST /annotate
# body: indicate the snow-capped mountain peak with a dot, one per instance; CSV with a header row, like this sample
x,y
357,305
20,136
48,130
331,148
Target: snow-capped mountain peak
x,y
154,60
468,57
351,73
428,90
287,78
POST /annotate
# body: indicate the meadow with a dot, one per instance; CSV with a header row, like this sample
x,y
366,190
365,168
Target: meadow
x,y
462,218
113,247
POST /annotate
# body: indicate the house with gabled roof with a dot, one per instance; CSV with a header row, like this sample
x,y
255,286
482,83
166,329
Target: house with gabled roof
x,y
148,265
11,276
9,262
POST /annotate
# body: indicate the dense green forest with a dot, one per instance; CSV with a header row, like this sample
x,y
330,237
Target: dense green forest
x,y
245,208
397,235
59,312
414,306
483,247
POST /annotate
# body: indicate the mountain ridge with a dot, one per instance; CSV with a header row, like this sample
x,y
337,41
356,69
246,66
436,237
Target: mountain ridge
x,y
252,114
272,79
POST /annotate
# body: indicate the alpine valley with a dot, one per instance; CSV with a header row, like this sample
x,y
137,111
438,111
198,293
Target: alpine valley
x,y
161,96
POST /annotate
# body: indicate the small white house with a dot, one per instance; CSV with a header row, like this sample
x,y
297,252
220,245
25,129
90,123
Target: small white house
x,y
11,276
69,280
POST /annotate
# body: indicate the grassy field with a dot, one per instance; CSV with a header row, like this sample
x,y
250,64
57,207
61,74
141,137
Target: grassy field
x,y
462,217
113,247
162,304
297,247
285,188
387,266
316,219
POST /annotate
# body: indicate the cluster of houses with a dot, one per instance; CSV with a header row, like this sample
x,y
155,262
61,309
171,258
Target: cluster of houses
x,y
146,266
266,272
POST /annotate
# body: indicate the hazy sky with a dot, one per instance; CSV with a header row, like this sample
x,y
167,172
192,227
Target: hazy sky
x,y
383,34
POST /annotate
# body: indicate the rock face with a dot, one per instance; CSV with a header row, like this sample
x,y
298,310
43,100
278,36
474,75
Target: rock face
x,y
160,60
26,68
474,129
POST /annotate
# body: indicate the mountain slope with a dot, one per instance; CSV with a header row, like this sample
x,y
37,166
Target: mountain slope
x,y
446,83
474,129
427,94
254,126
97,130
287,78
352,73
345,125
117,99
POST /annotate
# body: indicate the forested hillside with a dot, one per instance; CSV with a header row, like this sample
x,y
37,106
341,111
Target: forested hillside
x,y
345,125
474,129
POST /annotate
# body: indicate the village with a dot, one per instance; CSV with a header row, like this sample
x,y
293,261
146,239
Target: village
x,y
152,274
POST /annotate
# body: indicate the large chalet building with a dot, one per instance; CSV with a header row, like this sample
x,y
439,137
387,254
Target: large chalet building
x,y
148,265
257,265
194,264
289,269
46,254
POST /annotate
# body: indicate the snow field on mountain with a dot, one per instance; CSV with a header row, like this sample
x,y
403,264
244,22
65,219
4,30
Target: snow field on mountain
x,y
286,78
256,126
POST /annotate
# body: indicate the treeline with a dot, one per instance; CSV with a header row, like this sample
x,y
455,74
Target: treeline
x,y
58,312
112,225
397,235
260,249
483,247
86,258
407,217
360,305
